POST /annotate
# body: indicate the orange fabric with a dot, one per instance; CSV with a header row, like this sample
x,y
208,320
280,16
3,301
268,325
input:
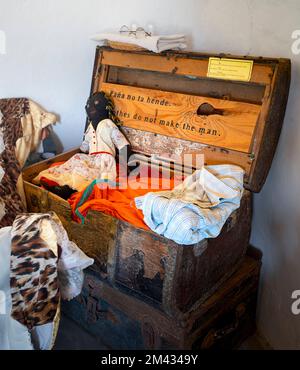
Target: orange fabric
x,y
117,202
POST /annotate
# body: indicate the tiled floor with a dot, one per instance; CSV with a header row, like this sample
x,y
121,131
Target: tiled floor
x,y
71,336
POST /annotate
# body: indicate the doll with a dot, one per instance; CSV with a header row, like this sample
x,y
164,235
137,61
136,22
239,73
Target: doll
x,y
103,136
97,159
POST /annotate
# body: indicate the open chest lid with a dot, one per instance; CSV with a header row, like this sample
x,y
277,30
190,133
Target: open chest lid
x,y
230,109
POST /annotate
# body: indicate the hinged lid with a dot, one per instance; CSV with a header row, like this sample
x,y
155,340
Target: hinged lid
x,y
168,106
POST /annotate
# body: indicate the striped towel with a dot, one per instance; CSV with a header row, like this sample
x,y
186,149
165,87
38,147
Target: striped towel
x,y
197,208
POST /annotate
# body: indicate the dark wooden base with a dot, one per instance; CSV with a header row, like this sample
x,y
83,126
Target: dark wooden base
x,y
121,321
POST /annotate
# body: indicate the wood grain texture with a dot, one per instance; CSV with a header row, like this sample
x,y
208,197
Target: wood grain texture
x,y
216,263
175,115
96,75
273,113
161,270
187,71
96,237
176,63
219,89
141,261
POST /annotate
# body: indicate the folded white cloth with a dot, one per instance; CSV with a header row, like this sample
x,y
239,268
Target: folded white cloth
x,y
197,208
156,44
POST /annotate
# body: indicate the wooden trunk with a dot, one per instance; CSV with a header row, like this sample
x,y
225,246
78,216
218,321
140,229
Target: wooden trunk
x,y
143,263
154,92
169,108
121,321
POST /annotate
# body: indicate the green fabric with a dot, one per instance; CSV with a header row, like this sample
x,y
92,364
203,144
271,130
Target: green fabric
x,y
86,194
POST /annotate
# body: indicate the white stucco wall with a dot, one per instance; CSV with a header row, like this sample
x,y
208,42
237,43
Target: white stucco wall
x,y
49,58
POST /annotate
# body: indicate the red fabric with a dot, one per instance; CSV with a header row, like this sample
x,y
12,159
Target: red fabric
x,y
100,153
57,164
44,180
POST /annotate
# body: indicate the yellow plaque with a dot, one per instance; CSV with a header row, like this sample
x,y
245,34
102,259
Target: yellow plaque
x,y
230,69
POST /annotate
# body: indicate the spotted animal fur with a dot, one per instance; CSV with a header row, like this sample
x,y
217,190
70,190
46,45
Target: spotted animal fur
x,y
33,276
11,113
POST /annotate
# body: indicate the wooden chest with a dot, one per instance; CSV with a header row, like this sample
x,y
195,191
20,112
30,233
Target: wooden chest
x,y
121,321
241,126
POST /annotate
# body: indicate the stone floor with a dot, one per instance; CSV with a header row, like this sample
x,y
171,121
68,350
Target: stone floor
x,y
71,336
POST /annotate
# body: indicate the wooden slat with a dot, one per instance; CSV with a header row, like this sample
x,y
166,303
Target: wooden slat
x,y
261,74
220,89
257,138
175,115
95,237
269,127
98,75
188,71
227,296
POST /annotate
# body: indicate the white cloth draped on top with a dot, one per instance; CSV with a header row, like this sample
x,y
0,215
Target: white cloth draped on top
x,y
156,44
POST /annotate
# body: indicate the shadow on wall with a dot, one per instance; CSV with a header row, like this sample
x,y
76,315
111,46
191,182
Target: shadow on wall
x,y
57,143
276,231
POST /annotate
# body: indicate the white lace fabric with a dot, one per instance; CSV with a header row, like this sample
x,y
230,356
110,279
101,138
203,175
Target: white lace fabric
x,y
71,262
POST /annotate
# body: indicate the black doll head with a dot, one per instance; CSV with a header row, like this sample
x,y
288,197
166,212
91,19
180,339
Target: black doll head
x,y
97,108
